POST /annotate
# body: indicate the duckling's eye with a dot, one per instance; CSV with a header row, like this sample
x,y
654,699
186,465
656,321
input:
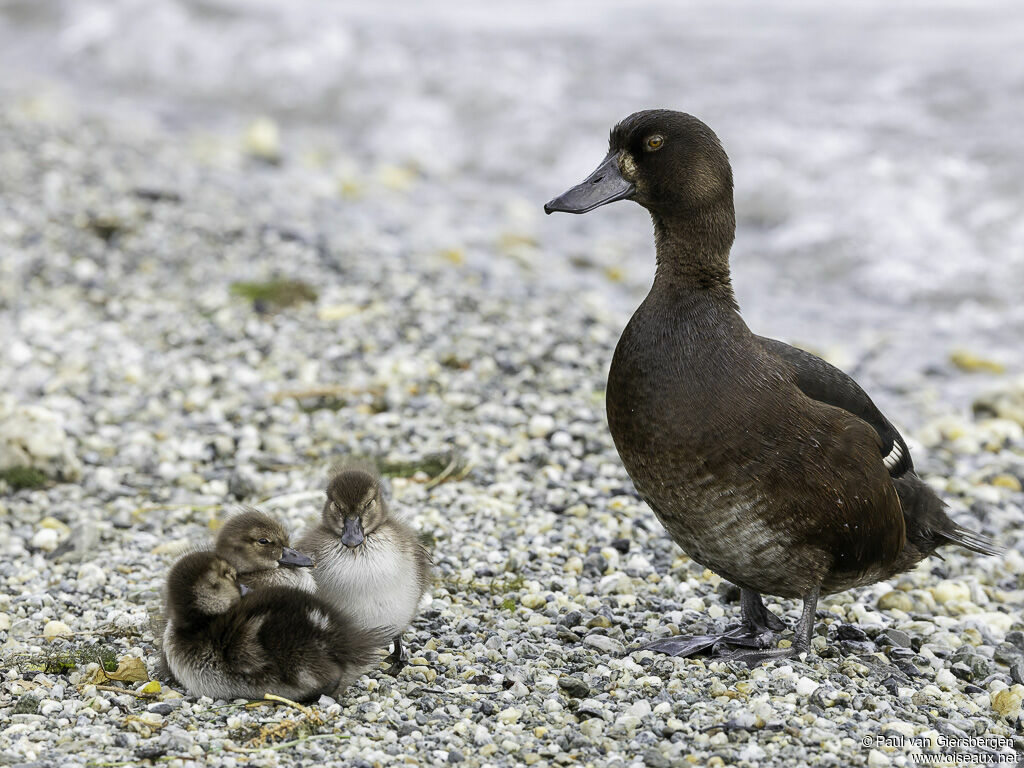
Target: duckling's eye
x,y
654,143
263,541
368,505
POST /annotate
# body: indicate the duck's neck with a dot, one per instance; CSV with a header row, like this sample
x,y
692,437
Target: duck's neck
x,y
693,251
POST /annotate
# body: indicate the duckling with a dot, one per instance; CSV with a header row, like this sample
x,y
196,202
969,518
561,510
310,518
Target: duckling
x,y
256,546
226,642
369,563
766,464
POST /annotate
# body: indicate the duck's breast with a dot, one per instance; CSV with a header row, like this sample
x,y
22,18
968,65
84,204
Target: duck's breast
x,y
375,585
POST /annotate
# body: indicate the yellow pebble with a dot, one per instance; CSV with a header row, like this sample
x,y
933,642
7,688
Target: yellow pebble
x,y
55,524
1006,481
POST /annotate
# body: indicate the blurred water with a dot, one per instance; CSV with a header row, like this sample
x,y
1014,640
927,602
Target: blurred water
x,y
876,145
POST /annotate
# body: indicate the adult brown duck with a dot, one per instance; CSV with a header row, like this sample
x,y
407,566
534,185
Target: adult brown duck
x,y
766,464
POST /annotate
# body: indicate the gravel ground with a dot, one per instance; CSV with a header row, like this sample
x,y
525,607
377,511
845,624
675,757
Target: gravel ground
x,y
166,398
153,379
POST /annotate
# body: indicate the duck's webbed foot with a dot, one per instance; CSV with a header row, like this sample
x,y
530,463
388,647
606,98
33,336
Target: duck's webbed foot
x,y
683,645
398,657
756,630
801,642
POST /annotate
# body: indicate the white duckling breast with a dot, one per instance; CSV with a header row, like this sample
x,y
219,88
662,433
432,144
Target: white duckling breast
x,y
375,584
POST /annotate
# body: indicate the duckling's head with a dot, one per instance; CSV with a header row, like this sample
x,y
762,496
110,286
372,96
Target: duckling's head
x,y
669,162
202,583
355,506
252,541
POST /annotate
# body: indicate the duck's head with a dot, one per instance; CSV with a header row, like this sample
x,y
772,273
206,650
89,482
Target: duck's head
x,y
668,162
202,583
355,506
253,541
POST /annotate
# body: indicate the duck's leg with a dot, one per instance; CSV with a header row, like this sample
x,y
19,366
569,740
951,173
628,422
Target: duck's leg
x,y
756,630
398,657
801,640
759,625
755,615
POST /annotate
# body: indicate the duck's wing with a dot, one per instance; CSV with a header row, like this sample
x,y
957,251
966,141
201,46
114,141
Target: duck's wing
x,y
827,384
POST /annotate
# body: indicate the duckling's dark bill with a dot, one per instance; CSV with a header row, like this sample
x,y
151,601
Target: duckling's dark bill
x,y
604,185
295,558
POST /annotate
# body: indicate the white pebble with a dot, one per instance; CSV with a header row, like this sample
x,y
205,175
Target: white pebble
x,y
45,539
805,686
55,629
540,425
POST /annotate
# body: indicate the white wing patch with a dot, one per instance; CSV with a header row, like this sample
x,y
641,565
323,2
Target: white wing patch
x,y
894,456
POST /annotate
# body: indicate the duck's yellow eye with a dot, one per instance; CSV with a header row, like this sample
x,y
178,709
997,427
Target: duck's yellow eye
x,y
654,143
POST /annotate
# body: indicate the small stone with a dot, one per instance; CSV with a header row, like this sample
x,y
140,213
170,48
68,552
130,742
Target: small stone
x,y
605,644
968,361
752,753
654,759
895,637
574,687
1007,653
877,759
90,576
49,707
533,601
1006,481
152,719
55,629
628,722
45,539
962,670
805,686
241,485
152,687
54,524
1017,672
895,601
27,705
592,727
950,591
540,425
263,140
510,715
639,709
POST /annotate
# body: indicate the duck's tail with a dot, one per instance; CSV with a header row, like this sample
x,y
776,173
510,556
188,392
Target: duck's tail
x,y
358,651
928,525
972,540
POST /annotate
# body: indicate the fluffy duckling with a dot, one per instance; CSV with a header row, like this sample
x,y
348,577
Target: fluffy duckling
x,y
369,563
256,546
277,640
766,464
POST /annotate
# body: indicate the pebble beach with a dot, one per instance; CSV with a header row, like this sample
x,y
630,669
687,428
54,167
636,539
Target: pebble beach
x,y
200,312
